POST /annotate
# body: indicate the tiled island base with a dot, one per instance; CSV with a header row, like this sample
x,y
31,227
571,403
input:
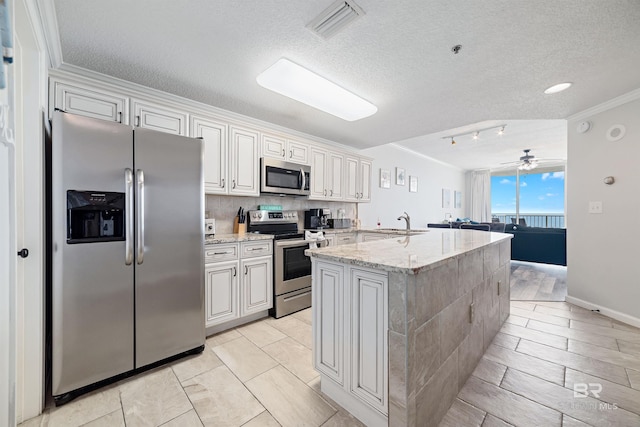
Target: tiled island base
x,y
441,322
399,326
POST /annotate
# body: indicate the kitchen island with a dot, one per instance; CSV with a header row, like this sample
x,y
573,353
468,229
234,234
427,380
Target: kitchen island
x,y
400,324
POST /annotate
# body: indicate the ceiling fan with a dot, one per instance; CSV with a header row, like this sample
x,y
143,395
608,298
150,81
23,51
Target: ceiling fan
x,y
528,161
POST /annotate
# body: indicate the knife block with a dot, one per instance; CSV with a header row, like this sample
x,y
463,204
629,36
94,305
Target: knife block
x,y
239,228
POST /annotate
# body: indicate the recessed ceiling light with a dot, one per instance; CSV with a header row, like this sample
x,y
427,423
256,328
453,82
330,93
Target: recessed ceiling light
x,y
557,88
296,82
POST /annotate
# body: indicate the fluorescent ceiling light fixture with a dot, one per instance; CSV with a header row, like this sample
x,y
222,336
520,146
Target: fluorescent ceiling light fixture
x,y
557,88
296,82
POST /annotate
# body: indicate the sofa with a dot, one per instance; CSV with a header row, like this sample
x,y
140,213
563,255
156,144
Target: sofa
x,y
537,244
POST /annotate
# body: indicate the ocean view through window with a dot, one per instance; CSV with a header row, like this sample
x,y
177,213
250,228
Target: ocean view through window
x,y
532,198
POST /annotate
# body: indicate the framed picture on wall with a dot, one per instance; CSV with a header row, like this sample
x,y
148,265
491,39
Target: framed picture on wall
x,y
399,176
413,184
446,198
457,199
385,178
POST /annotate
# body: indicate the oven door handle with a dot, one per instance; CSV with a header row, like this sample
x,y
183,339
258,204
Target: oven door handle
x,y
291,243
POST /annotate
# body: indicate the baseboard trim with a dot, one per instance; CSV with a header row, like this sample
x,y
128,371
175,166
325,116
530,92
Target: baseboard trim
x,y
614,314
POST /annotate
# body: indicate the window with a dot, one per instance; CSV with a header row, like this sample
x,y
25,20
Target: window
x,y
532,198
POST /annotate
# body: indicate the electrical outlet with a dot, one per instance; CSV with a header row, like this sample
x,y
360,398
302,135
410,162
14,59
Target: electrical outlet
x,y
595,207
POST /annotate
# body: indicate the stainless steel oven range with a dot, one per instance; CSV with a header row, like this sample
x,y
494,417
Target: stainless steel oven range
x,y
291,267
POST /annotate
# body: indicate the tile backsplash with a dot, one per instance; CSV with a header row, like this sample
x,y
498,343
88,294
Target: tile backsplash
x,y
225,208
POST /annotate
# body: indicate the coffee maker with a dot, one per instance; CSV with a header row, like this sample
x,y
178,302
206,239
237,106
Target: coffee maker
x,y
316,218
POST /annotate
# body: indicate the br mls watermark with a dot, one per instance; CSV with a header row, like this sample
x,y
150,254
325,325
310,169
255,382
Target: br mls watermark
x,y
584,390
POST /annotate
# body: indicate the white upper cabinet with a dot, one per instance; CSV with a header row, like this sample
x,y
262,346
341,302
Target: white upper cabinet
x,y
232,147
318,189
335,174
89,102
244,164
326,175
351,184
365,180
214,135
357,179
285,149
152,116
297,152
273,146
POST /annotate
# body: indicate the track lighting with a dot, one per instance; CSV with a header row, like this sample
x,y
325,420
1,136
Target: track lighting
x,y
475,133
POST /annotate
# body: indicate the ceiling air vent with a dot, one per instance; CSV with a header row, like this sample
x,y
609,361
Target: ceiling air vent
x,y
335,18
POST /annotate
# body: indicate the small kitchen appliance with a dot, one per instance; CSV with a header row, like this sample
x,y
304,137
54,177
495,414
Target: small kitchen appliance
x,y
316,218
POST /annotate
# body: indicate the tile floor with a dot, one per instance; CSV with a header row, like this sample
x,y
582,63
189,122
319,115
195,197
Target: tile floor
x,y
543,352
539,282
256,375
261,375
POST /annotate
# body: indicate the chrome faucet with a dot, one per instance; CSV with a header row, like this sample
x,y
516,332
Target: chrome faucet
x,y
407,218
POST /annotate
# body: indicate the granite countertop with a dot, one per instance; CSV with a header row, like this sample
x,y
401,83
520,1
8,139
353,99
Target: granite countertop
x,y
235,238
409,254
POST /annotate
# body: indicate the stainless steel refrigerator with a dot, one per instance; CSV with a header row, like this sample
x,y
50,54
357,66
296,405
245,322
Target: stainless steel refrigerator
x,y
127,221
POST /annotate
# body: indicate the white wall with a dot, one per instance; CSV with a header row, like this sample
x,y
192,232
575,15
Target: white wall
x,y
602,249
424,206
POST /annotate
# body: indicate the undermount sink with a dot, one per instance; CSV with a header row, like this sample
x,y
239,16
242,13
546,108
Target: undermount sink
x,y
414,231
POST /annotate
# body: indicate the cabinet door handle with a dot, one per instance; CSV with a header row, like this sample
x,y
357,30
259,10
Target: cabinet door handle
x,y
246,270
120,116
283,152
361,195
325,192
233,184
137,121
256,249
221,253
235,272
290,153
222,185
331,192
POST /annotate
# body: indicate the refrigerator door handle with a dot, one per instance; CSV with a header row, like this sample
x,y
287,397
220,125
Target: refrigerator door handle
x,y
140,216
128,191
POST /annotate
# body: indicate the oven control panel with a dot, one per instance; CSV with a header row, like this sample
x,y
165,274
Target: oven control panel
x,y
273,217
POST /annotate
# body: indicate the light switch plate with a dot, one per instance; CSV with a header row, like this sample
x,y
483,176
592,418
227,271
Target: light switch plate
x,y
595,207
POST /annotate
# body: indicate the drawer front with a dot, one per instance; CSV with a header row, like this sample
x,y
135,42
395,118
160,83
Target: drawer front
x,y
345,238
217,253
253,249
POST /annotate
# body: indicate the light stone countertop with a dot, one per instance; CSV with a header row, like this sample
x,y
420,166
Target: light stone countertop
x,y
370,230
235,238
410,254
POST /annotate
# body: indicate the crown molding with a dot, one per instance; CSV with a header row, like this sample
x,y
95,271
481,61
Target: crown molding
x,y
605,106
47,26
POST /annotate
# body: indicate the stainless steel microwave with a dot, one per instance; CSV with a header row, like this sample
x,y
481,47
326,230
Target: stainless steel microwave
x,y
278,177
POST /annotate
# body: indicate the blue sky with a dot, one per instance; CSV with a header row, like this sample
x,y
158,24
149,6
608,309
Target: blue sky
x,y
539,193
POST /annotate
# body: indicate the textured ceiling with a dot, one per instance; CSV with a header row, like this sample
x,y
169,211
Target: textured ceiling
x,y
397,56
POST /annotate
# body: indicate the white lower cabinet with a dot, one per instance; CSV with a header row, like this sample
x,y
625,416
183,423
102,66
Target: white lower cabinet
x,y
327,300
350,327
257,292
221,292
369,237
239,281
368,337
